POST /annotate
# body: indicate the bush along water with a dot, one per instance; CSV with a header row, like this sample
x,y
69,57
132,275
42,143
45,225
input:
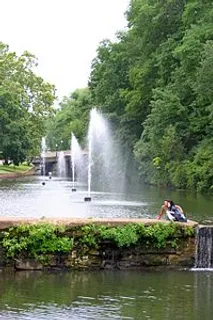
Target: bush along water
x,y
39,241
35,241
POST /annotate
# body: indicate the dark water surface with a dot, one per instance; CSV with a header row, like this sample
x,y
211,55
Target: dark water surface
x,y
29,198
106,295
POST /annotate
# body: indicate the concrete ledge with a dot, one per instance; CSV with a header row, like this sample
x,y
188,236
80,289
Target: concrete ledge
x,y
7,222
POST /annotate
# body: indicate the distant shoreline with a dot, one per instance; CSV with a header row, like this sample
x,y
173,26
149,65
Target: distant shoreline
x,y
12,175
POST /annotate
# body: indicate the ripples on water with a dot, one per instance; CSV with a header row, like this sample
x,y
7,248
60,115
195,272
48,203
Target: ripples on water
x,y
106,295
29,198
100,295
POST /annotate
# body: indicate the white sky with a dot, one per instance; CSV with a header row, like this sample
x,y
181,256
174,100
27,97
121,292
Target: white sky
x,y
62,34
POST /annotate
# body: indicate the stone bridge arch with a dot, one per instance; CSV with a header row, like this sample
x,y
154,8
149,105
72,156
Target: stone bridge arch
x,y
51,160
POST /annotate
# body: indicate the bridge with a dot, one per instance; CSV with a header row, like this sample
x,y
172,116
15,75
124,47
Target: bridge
x,y
53,155
51,159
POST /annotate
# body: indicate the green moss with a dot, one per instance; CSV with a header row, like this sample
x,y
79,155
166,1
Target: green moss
x,y
121,236
39,240
35,241
158,235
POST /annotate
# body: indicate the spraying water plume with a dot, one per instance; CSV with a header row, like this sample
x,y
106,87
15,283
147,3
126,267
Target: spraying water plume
x,y
104,157
43,151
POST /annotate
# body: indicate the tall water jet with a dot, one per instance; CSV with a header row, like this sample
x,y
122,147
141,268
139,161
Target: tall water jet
x,y
77,162
73,139
43,151
105,167
88,198
61,164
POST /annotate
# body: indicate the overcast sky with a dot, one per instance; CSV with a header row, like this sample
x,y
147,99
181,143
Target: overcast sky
x,y
63,34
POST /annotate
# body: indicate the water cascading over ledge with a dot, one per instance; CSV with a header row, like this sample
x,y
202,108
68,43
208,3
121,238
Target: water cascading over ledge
x,y
204,247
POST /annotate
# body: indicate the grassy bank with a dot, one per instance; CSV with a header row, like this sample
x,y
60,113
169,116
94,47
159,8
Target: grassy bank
x,y
14,169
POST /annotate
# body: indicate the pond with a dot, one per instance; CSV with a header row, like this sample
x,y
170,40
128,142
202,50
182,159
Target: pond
x,y
162,294
29,198
107,295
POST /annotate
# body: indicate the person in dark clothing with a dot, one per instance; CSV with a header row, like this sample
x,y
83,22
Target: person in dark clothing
x,y
173,212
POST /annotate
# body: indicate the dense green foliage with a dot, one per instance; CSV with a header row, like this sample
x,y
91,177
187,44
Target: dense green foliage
x,y
25,102
35,241
155,83
38,240
72,116
159,235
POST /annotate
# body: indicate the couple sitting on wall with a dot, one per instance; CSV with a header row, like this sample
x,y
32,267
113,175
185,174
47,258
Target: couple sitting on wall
x,y
173,211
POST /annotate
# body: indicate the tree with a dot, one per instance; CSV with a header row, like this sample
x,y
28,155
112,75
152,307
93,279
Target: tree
x,y
72,116
14,137
156,81
26,101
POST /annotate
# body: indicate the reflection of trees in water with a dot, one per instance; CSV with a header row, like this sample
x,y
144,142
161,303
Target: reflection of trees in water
x,y
158,295
203,297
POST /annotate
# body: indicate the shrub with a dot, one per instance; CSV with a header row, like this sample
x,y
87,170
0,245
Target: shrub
x,y
35,241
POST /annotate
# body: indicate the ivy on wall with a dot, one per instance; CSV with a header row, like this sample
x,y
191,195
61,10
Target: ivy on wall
x,y
38,240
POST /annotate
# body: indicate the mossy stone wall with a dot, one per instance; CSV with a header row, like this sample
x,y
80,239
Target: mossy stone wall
x,y
130,246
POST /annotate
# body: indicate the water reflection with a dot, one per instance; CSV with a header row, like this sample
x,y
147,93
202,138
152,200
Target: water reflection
x,y
94,295
27,197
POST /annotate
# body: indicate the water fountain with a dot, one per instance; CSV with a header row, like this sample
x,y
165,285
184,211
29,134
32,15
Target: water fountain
x,y
43,150
76,159
61,164
73,163
88,198
105,167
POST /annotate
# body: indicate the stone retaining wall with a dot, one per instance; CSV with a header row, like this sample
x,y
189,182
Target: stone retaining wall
x,y
107,255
